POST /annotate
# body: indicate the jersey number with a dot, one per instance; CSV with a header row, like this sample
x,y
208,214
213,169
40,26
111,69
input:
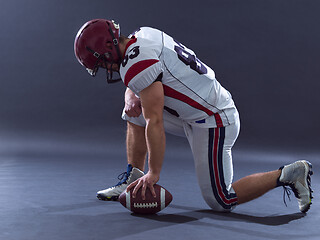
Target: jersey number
x,y
189,59
134,52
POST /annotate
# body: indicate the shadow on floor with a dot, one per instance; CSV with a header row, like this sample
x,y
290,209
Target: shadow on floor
x,y
195,215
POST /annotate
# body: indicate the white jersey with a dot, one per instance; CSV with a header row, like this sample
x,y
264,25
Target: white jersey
x,y
191,91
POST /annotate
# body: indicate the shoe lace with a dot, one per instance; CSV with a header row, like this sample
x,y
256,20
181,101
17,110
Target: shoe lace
x,y
123,177
286,191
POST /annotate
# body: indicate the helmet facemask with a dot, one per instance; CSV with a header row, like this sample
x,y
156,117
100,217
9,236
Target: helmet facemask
x,y
109,71
104,60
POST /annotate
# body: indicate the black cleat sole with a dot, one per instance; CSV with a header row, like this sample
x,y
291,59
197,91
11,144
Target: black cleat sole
x,y
103,198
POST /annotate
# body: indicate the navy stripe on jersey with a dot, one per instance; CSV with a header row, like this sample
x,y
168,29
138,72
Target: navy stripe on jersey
x,y
215,158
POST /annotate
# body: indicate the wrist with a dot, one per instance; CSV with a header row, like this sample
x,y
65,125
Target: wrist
x,y
154,172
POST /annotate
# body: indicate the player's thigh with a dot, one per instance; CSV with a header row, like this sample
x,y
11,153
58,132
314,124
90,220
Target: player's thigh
x,y
213,161
173,125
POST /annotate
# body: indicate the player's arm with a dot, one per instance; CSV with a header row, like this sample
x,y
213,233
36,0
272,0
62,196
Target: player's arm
x,y
132,105
152,100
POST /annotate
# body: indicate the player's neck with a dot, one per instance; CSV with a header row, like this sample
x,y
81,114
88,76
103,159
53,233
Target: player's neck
x,y
122,45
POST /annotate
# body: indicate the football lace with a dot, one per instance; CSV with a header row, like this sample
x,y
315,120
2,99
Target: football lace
x,y
145,205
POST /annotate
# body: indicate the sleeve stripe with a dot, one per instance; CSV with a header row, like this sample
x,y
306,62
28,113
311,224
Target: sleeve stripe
x,y
137,68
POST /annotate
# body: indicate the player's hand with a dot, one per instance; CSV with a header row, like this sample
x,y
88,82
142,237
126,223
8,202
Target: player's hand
x,y
132,105
147,181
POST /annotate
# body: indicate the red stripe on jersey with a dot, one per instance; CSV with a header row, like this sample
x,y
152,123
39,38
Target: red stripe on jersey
x,y
168,91
137,68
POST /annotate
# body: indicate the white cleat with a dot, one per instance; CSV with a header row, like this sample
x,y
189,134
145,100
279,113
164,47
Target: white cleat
x,y
113,193
298,176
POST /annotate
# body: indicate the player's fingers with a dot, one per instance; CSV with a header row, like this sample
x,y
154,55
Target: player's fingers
x,y
153,192
136,188
133,113
138,111
131,185
128,112
143,191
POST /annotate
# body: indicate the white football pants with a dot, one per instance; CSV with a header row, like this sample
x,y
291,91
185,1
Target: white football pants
x,y
211,148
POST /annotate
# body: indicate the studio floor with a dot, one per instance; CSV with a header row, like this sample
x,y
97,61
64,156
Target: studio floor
x,y
48,191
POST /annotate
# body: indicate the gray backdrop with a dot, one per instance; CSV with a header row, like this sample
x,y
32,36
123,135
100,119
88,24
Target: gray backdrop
x,y
265,52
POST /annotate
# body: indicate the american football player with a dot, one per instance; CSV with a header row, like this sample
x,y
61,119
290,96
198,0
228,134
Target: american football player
x,y
170,90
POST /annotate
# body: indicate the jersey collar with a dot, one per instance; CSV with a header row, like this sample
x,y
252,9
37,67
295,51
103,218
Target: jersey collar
x,y
132,41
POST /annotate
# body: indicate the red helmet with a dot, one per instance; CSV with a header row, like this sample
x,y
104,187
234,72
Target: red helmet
x,y
90,46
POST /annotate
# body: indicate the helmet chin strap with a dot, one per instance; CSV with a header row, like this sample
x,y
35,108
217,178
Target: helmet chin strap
x,y
115,42
109,71
109,77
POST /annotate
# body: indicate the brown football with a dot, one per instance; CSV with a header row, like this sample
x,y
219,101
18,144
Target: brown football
x,y
150,205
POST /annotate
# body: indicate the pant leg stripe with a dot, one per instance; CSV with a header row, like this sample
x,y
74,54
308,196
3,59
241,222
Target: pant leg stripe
x,y
218,166
211,168
230,196
216,141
